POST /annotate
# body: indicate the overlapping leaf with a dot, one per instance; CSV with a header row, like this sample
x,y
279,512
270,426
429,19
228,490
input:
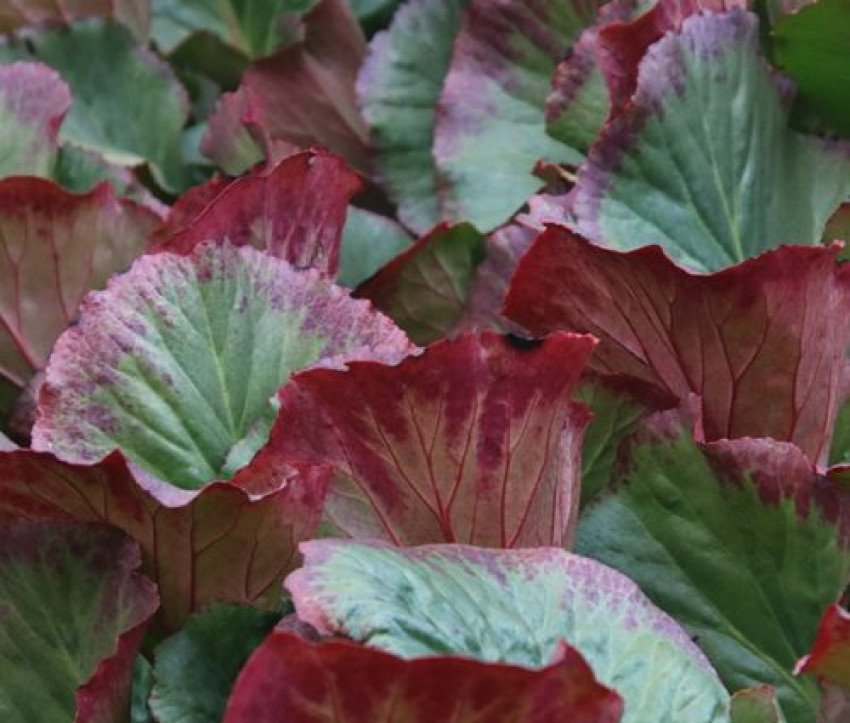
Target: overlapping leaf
x,y
369,241
294,209
512,606
73,610
54,248
829,657
337,682
490,120
474,441
139,120
744,544
34,13
175,362
761,344
303,95
221,544
686,164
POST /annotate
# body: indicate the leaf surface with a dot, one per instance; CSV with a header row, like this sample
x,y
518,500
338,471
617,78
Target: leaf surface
x,y
337,682
476,440
73,610
686,164
772,323
176,361
509,606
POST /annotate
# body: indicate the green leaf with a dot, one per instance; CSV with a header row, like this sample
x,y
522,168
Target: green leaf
x,y
368,242
253,27
373,14
509,606
729,555
839,452
424,290
141,691
702,161
194,670
615,417
128,107
72,614
812,46
756,705
176,360
490,121
398,89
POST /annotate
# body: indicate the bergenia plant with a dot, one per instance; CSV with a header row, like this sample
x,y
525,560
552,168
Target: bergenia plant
x,y
411,361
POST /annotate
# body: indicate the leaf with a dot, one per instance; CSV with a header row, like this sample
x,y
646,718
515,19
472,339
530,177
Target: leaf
x,y
16,15
490,117
73,610
222,544
756,705
424,289
337,682
398,89
255,28
33,102
829,657
54,248
511,606
368,242
141,690
772,323
195,669
743,544
139,120
702,161
294,209
474,441
303,95
810,46
177,359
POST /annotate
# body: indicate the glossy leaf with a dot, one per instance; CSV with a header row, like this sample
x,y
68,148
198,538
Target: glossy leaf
x,y
73,610
195,669
772,323
425,288
684,164
475,441
756,705
139,120
176,360
303,95
337,682
398,89
222,544
743,544
513,607
294,209
494,98
54,248
33,102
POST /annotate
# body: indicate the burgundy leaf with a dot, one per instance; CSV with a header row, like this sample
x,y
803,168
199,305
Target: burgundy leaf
x,y
55,247
761,343
295,210
295,680
221,544
14,15
304,95
475,441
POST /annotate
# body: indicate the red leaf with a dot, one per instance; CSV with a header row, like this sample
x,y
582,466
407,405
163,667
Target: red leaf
x,y
761,343
475,441
295,210
220,544
830,655
55,247
291,679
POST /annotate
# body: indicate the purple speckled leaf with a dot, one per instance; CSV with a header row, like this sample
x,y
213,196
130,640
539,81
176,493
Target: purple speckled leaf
x,y
510,606
176,362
